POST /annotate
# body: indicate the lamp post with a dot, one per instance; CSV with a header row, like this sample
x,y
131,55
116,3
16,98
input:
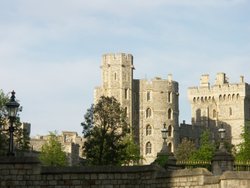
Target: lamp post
x,y
12,108
222,160
222,133
164,133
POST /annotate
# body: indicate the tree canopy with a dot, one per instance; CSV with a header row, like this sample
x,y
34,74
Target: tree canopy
x,y
52,153
206,149
184,150
243,153
105,128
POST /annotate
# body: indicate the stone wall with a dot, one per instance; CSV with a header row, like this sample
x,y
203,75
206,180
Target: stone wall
x,y
27,172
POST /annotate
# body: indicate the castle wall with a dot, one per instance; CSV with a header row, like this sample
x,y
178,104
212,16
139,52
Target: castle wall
x,y
27,173
223,103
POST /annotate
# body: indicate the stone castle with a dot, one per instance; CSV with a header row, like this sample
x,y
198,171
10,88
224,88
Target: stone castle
x,y
222,104
151,103
148,104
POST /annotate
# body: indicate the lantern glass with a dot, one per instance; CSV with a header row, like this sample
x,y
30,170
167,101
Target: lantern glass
x,y
222,133
12,106
164,133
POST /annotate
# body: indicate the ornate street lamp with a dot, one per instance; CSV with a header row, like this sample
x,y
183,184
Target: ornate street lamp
x,y
222,133
164,133
12,108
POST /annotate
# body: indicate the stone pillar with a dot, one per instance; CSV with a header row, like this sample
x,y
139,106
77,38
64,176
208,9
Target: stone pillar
x,y
221,162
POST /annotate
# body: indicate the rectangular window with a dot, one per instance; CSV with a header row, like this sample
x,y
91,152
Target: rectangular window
x,y
126,93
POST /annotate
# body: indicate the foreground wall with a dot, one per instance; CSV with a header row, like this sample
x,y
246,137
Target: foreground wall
x,y
27,172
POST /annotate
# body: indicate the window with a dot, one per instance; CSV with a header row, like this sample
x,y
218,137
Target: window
x,y
169,130
220,97
126,93
230,111
148,113
169,97
169,113
115,76
126,111
170,147
148,130
148,95
148,148
214,113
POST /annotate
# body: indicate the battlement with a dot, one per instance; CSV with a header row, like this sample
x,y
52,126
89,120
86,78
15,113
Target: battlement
x,y
117,58
221,85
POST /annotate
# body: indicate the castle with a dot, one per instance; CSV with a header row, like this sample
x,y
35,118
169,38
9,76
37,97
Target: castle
x,y
151,103
222,104
148,104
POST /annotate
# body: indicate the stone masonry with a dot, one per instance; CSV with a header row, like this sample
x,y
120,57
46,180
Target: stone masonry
x,y
27,173
148,103
223,103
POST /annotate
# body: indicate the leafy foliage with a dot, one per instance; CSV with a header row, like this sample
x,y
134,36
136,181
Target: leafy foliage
x,y
161,160
105,129
206,150
184,150
244,148
21,137
52,153
132,151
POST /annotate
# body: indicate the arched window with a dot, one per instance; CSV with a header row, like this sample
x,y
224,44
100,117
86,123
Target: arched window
x,y
169,113
224,97
169,130
194,99
170,147
148,130
148,95
230,111
238,96
214,113
233,96
148,148
148,113
229,97
220,97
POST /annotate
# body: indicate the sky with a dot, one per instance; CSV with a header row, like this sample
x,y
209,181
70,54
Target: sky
x,y
50,50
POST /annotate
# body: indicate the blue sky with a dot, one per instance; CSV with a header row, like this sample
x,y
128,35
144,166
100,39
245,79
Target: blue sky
x,y
50,51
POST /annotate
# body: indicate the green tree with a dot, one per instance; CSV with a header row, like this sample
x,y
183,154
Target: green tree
x,y
132,151
105,128
243,153
206,149
21,137
184,150
52,153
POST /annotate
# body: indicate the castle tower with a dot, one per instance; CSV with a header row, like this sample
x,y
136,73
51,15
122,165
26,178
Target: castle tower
x,y
117,76
224,103
149,104
158,105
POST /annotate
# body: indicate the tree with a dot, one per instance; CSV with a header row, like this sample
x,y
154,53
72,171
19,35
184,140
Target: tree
x,y
206,149
105,128
21,137
52,153
184,150
132,151
244,148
